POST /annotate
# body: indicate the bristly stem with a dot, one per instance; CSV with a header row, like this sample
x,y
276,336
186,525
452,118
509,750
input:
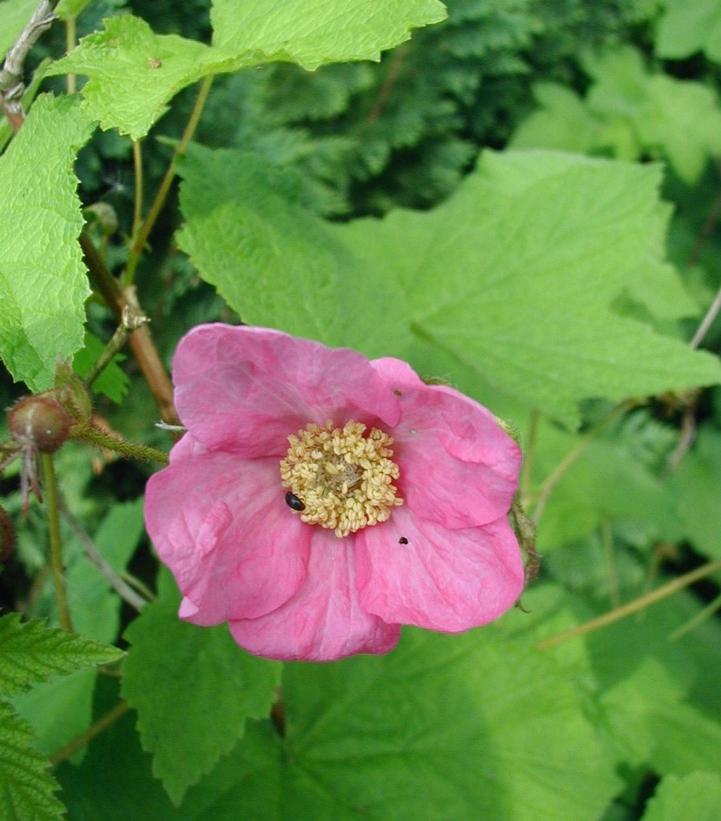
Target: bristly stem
x,y
80,741
141,236
56,547
132,450
633,606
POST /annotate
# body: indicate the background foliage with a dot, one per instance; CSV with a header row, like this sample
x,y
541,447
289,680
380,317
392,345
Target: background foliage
x,y
521,199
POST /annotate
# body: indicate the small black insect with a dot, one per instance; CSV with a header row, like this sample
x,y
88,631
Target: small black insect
x,y
402,540
294,502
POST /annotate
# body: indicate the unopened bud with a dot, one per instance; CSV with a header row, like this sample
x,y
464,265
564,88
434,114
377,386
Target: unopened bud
x,y
40,422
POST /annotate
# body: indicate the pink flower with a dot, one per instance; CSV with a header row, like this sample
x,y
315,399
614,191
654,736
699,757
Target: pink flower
x,y
387,506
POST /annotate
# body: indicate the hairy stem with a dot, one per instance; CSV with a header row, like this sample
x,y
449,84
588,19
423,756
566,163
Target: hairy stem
x,y
86,432
141,236
641,603
56,547
80,741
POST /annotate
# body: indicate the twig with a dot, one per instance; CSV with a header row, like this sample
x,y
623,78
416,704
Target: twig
x,y
707,228
698,619
385,91
140,342
633,606
557,474
141,237
132,450
70,43
138,193
11,74
707,321
56,547
80,741
131,320
610,556
91,551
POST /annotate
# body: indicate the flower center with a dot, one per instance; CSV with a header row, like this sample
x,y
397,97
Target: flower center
x,y
340,478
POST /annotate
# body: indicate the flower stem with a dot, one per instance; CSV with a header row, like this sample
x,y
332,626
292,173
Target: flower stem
x,y
141,236
80,741
132,450
633,606
56,547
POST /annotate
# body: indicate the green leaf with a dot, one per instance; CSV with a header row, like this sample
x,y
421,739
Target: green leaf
x,y
688,26
607,483
113,381
466,726
14,15
276,263
27,790
523,293
58,710
314,32
630,112
193,689
61,709
70,8
134,72
696,796
43,286
31,652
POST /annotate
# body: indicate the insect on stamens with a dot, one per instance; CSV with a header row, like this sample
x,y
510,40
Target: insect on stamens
x,y
293,502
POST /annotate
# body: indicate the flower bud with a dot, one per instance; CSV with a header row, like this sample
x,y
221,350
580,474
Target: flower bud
x,y
39,421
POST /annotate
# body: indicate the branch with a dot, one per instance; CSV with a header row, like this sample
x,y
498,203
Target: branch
x,y
140,341
641,603
80,741
122,588
11,74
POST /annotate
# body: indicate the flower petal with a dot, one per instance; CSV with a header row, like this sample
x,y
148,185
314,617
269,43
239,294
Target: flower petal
x,y
458,466
222,526
447,580
247,389
323,621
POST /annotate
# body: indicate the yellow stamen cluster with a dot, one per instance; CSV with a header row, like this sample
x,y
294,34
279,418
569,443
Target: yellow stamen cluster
x,y
343,476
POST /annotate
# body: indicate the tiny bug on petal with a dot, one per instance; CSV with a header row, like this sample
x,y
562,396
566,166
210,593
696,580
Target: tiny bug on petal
x,y
294,502
402,540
